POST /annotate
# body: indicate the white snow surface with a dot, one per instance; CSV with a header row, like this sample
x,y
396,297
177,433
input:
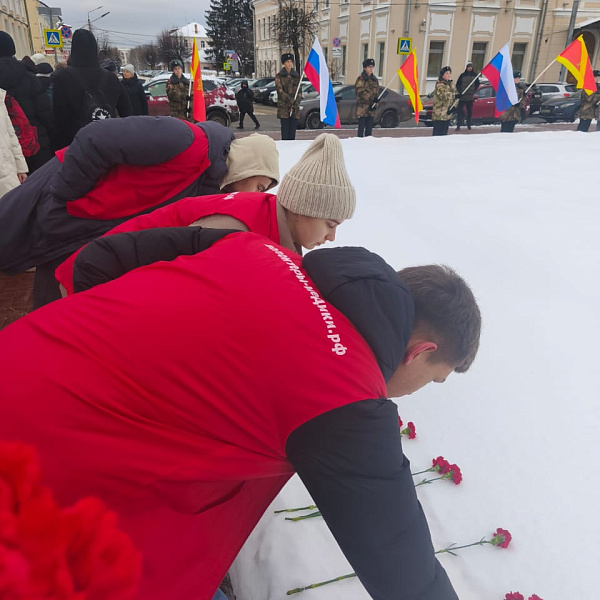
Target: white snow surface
x,y
518,216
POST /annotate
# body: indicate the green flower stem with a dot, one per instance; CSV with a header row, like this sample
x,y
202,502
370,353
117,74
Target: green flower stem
x,y
316,585
430,470
310,516
451,548
430,480
311,507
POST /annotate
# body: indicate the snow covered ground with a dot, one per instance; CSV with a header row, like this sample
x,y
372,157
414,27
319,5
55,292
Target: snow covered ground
x,y
519,217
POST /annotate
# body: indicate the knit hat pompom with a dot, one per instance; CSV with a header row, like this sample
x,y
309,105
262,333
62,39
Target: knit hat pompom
x,y
7,45
318,184
252,156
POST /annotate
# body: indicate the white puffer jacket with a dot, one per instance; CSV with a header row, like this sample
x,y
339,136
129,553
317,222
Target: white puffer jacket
x,y
12,160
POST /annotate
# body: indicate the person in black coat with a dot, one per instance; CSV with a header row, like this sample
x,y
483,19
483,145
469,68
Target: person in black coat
x,y
74,85
135,90
466,86
244,99
20,83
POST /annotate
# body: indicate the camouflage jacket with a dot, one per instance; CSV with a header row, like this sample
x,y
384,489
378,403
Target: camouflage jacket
x,y
287,84
367,90
177,92
588,104
443,98
514,112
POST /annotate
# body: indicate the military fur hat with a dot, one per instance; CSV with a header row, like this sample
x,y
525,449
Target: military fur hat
x,y
369,62
175,63
596,73
517,74
445,70
286,56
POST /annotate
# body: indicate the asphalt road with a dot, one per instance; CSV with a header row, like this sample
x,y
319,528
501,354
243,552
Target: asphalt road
x,y
269,124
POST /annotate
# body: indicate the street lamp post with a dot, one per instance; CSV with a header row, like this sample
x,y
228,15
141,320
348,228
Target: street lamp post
x,y
88,19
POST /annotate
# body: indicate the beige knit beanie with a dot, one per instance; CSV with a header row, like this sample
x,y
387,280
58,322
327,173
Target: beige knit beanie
x,y
318,184
251,156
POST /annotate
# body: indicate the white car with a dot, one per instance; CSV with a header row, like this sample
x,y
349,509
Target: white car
x,y
550,91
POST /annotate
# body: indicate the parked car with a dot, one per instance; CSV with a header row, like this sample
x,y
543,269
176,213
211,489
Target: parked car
x,y
218,98
392,109
535,98
556,90
261,93
562,109
484,107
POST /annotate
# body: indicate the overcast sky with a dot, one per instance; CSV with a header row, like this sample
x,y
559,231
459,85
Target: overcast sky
x,y
132,22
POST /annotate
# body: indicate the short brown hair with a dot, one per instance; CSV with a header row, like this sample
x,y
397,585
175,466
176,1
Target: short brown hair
x,y
446,309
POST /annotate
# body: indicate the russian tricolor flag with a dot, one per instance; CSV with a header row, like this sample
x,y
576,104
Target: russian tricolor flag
x,y
318,74
499,72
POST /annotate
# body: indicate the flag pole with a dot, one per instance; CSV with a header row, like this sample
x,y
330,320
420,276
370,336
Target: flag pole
x,y
388,85
539,77
457,100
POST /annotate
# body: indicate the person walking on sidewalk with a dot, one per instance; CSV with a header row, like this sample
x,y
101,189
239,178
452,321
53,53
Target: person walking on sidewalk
x,y
466,86
244,99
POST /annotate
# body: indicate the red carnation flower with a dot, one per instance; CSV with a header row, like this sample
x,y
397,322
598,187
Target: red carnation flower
x,y
400,423
535,597
514,596
455,474
441,465
501,538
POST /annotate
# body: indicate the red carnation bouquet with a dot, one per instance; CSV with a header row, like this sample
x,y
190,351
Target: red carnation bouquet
x,y
76,553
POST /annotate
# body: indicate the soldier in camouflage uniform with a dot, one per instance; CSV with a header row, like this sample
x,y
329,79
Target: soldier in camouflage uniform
x,y
288,108
589,106
510,117
443,98
178,88
367,92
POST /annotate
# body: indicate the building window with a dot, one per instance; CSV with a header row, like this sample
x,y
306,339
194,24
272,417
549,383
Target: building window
x,y
343,60
436,55
269,28
365,51
316,4
325,53
264,29
202,44
325,3
478,55
518,56
381,53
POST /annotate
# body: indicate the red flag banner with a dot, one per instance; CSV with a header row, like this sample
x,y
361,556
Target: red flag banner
x,y
577,61
199,108
408,76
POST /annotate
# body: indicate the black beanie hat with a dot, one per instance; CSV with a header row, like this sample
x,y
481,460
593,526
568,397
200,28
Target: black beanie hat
x,y
445,70
7,45
369,62
84,49
286,56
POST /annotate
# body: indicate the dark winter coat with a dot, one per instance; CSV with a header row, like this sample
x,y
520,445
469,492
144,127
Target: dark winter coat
x,y
69,99
189,408
113,170
463,82
135,91
367,90
178,89
286,84
25,88
244,98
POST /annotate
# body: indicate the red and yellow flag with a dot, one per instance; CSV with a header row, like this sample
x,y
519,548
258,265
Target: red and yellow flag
x,y
199,110
575,58
408,76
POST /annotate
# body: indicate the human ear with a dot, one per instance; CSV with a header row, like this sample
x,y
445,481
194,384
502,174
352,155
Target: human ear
x,y
415,349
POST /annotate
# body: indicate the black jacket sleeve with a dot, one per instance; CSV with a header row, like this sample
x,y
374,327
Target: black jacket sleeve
x,y
109,257
351,461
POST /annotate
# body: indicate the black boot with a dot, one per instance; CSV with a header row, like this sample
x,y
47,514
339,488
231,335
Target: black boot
x,y
257,126
240,127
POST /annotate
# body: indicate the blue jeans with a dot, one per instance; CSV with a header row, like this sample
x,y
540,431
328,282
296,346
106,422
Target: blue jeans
x,y
219,595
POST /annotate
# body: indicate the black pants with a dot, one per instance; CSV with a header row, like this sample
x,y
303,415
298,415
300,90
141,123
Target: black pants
x,y
288,128
468,104
365,126
508,126
440,127
250,113
584,124
45,286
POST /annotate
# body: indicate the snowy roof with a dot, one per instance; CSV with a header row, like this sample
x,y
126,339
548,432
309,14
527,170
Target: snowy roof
x,y
192,30
588,22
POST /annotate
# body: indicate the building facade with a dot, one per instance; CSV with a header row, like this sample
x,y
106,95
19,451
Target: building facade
x,y
14,20
198,32
443,32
